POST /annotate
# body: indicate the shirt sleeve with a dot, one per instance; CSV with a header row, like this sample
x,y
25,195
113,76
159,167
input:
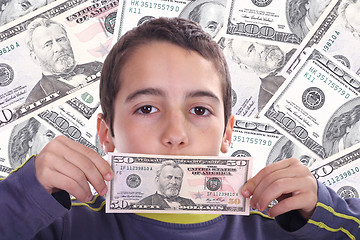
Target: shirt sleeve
x,y
25,206
333,218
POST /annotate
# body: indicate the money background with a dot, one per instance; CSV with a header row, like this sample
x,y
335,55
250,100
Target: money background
x,y
259,140
76,62
119,16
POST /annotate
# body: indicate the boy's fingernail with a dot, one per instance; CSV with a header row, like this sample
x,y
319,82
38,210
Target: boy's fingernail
x,y
108,176
246,193
252,205
257,206
89,198
103,192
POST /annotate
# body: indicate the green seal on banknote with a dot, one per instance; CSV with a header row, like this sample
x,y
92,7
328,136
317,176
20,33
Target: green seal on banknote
x,y
110,21
87,97
213,184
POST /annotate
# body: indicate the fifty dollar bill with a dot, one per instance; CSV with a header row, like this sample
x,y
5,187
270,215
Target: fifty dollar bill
x,y
177,184
88,27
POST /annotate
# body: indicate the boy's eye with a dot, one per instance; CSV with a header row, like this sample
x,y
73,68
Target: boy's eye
x,y
147,109
200,111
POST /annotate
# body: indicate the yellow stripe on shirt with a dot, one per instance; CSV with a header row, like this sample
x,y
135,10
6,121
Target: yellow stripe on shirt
x,y
330,209
324,226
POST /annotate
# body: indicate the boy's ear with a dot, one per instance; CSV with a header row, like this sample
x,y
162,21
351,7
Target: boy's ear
x,y
226,140
104,134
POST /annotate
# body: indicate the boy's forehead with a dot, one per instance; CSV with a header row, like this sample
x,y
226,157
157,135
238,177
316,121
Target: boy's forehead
x,y
160,63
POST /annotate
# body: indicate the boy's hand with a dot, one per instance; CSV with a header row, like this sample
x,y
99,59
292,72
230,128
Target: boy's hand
x,y
68,165
288,181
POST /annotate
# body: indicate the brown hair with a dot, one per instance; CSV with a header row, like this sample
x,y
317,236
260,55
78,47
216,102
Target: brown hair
x,y
181,32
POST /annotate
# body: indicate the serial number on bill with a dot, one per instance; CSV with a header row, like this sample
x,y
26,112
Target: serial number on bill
x,y
222,194
159,6
251,140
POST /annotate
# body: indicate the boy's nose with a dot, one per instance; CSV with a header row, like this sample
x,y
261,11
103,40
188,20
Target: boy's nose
x,y
174,135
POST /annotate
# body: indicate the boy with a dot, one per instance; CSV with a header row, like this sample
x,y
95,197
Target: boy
x,y
165,89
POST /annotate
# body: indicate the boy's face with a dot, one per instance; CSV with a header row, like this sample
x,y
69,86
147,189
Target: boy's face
x,y
170,102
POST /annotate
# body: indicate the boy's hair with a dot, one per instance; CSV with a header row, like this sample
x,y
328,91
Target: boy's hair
x,y
181,32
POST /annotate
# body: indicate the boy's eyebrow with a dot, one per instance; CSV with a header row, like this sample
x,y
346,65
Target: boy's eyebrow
x,y
145,91
161,93
202,93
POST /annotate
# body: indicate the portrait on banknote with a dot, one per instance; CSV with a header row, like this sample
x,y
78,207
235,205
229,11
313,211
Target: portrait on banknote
x,y
343,128
349,10
302,14
26,139
209,14
284,148
263,60
337,34
13,9
50,48
169,178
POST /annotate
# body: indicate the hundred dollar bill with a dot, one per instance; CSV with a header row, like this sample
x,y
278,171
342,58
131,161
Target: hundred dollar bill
x,y
177,184
54,52
23,140
254,77
75,119
338,34
318,106
286,21
341,172
210,14
252,137
10,11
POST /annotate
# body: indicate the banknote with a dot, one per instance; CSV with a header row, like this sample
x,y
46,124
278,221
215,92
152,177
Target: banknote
x,y
56,51
341,172
252,137
254,77
210,14
318,105
75,119
338,34
10,10
177,184
287,21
